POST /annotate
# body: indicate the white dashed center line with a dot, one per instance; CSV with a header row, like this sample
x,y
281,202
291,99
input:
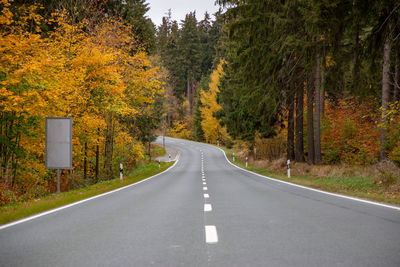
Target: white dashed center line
x,y
207,207
211,234
210,230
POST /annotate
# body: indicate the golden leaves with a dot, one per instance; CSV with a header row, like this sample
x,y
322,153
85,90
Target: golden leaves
x,y
76,71
213,131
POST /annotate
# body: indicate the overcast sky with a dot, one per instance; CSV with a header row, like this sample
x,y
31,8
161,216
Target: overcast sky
x,y
179,8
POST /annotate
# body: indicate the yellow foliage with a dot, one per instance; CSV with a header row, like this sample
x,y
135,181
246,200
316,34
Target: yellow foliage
x,y
128,150
212,129
181,130
75,72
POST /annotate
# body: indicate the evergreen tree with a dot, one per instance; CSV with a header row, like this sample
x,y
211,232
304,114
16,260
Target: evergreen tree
x,y
134,12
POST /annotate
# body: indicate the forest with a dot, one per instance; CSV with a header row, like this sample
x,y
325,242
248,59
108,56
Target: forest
x,y
313,81
323,75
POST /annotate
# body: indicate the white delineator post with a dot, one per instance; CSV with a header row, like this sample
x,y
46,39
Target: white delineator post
x,y
121,172
169,157
233,156
159,164
288,168
246,161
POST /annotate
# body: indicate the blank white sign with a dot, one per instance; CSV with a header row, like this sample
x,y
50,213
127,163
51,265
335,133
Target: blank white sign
x,y
59,143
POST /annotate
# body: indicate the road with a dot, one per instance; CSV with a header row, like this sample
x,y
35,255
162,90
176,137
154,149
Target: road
x,y
248,221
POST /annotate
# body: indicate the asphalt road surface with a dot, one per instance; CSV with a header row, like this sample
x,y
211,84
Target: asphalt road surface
x,y
206,212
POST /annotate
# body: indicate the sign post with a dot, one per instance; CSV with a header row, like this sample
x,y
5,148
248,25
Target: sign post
x,y
58,145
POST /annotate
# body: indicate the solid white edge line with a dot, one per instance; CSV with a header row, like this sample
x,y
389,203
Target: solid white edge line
x,y
4,226
312,189
207,207
211,234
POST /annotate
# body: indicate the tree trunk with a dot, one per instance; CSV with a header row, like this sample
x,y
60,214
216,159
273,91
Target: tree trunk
x,y
385,93
299,122
112,142
323,89
16,161
396,81
356,67
85,162
310,121
96,169
148,136
188,96
290,135
108,145
317,117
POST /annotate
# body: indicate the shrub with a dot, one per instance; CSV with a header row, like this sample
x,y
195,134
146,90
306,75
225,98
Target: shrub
x,y
269,148
181,130
350,133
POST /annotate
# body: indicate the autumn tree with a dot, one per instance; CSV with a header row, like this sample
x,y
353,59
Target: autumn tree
x,y
212,129
88,73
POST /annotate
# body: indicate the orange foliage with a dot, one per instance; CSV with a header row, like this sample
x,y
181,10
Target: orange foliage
x,y
349,133
78,72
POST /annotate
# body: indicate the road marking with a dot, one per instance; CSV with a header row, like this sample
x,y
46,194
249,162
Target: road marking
x,y
211,234
85,200
312,189
204,183
205,188
207,207
203,179
206,196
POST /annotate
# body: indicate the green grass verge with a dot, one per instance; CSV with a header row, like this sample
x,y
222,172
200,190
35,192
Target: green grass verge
x,y
157,151
18,211
356,186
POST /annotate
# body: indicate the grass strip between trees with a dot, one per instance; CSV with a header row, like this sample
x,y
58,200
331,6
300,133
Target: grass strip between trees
x,y
356,186
21,210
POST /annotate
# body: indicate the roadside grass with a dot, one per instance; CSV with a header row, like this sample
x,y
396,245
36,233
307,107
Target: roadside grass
x,y
14,212
356,185
157,151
